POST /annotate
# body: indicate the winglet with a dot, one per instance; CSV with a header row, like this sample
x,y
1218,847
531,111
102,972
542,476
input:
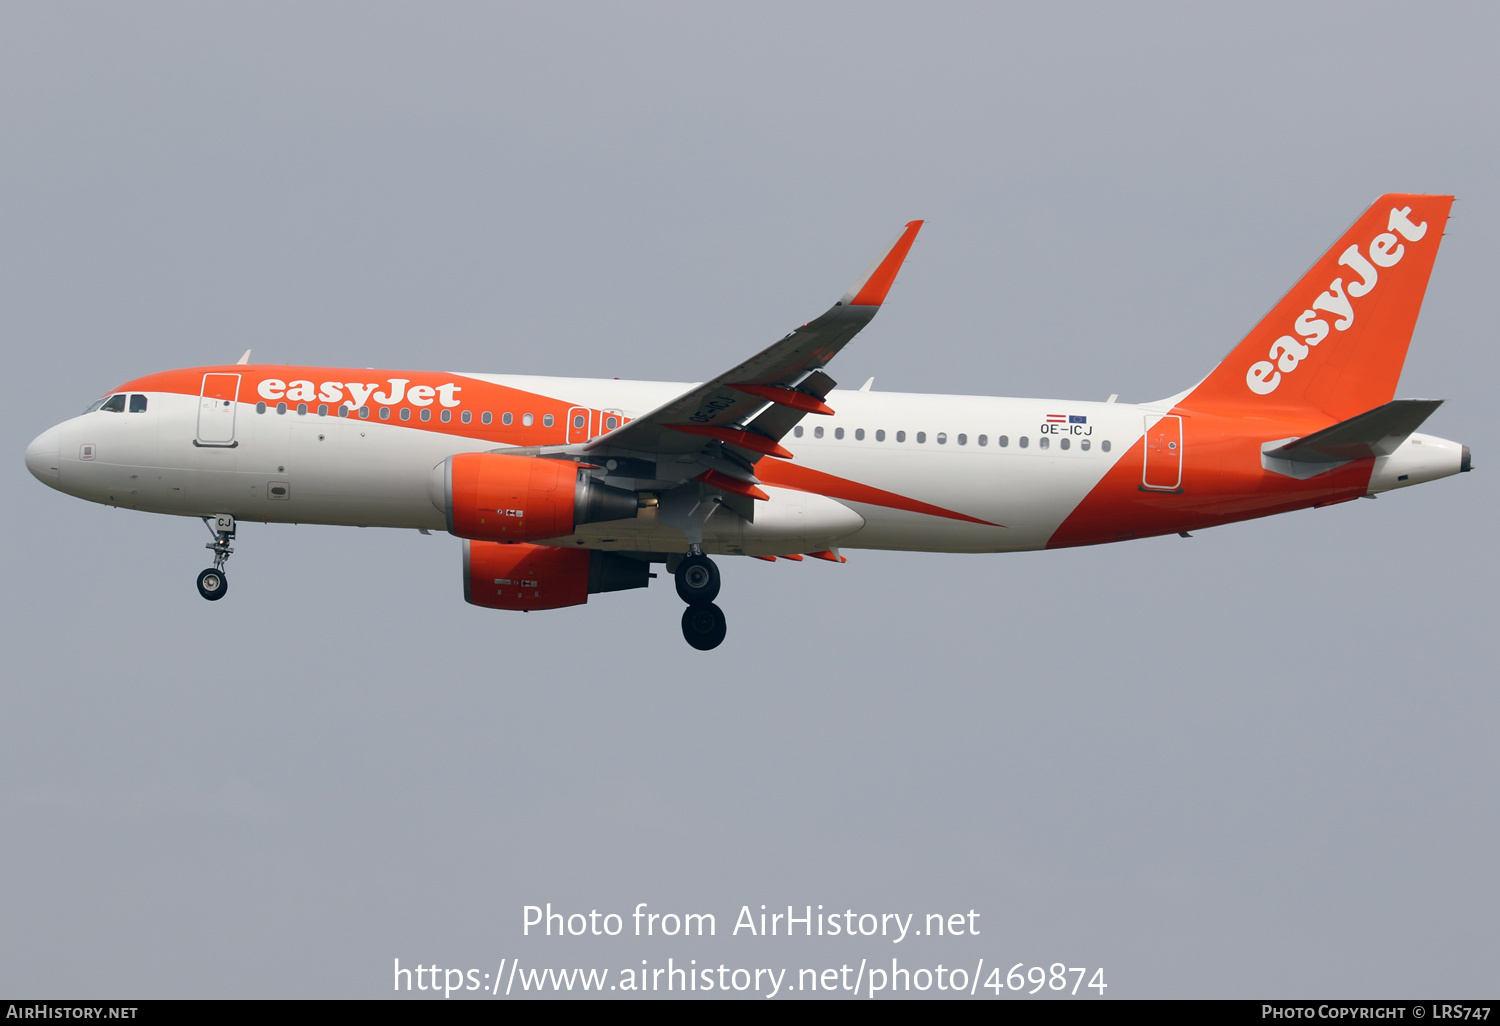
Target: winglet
x,y
872,288
243,359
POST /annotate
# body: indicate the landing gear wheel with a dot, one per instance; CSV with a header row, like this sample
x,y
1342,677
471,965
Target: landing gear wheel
x,y
212,584
703,625
698,581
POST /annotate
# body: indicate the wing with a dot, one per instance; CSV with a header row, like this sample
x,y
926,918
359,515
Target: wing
x,y
743,413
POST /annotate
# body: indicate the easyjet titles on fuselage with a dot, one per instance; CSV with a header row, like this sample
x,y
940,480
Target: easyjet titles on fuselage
x,y
304,391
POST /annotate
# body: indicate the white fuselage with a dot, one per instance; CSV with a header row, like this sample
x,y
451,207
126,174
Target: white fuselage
x,y
1007,471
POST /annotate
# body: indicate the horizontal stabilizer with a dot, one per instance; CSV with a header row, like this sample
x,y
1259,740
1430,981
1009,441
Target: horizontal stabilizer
x,y
1377,432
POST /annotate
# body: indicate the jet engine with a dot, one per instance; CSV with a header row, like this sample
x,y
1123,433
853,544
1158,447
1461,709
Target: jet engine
x,y
521,576
493,496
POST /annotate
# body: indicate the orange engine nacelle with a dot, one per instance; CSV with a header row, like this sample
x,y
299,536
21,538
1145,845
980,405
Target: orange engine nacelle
x,y
520,576
497,497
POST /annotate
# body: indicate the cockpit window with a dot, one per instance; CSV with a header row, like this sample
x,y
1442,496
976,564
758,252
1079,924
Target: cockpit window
x,y
96,404
114,404
137,404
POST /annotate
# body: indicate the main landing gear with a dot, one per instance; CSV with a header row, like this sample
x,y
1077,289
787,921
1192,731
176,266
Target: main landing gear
x,y
703,624
212,584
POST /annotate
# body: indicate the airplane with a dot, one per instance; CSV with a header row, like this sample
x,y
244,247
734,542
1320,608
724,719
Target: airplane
x,y
561,488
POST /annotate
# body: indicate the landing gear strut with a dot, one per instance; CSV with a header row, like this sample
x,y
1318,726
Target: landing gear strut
x,y
212,584
703,622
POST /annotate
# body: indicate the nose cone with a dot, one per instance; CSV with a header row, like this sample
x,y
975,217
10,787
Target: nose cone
x,y
41,457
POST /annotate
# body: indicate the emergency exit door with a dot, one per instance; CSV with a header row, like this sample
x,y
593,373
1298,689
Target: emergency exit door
x,y
1163,470
580,424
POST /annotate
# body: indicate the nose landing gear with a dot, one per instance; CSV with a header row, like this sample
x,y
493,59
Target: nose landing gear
x,y
212,583
703,624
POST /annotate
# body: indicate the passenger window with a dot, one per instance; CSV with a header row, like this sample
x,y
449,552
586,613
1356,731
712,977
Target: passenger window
x,y
1024,442
983,439
610,423
137,403
405,413
526,420
900,436
302,409
818,432
1084,445
546,420
507,419
426,414
466,416
942,438
880,435
364,413
114,404
260,407
838,432
343,411
797,430
322,409
1104,445
485,418
859,434
1003,441
1062,443
445,416
1043,442
921,437
963,439
281,407
578,421
385,413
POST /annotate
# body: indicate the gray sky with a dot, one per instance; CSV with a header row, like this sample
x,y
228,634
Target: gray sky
x,y
1259,762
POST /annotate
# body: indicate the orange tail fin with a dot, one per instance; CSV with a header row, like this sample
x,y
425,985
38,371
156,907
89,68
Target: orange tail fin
x,y
1337,340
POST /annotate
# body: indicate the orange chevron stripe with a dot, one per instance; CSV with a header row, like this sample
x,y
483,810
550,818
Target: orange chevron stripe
x,y
804,479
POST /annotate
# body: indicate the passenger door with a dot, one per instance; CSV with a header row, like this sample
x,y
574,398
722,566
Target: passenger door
x,y
1163,470
217,403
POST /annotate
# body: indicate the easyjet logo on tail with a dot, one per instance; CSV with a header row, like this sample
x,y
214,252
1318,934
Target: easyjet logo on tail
x,y
1288,351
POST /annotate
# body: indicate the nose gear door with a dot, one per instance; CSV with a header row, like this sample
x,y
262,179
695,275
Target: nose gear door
x,y
217,403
